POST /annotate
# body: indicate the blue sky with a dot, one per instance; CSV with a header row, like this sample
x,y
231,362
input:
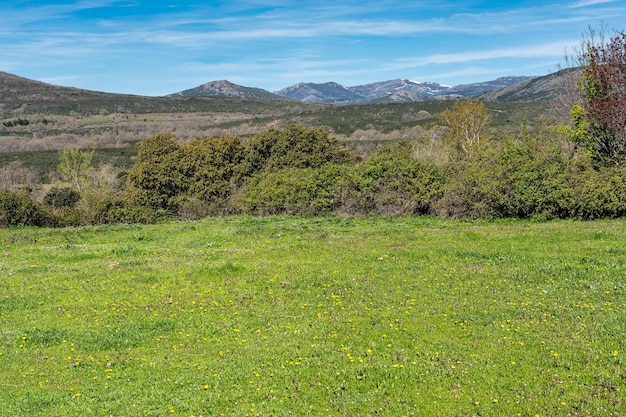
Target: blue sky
x,y
158,47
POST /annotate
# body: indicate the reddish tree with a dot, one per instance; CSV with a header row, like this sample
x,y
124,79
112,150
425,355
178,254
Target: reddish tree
x,y
603,86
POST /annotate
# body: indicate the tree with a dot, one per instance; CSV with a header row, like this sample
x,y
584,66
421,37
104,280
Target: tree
x,y
208,167
603,90
154,181
293,147
61,197
74,165
466,124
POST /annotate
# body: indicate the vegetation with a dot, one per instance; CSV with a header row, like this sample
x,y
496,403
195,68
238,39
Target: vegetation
x,y
467,123
600,120
533,174
404,316
74,166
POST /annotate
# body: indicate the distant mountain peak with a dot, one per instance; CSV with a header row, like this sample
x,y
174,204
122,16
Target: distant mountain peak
x,y
391,91
224,88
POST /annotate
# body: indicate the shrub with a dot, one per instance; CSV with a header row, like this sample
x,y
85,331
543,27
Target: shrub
x,y
392,182
599,193
68,216
292,191
61,197
519,177
17,208
195,209
293,147
153,181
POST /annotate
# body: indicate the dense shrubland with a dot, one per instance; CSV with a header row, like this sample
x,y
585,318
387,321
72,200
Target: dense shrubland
x,y
533,174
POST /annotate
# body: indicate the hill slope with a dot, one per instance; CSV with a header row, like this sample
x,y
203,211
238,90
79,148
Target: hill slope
x,y
22,96
224,88
544,88
391,91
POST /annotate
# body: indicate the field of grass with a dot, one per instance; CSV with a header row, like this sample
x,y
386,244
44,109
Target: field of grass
x,y
315,316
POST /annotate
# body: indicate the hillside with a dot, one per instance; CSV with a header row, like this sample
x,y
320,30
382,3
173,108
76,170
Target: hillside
x,y
22,96
549,87
57,117
223,88
392,91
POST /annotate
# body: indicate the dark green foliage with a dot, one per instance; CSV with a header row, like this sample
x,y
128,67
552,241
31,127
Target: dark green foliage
x,y
293,191
166,174
517,177
597,193
17,208
61,197
17,122
69,216
118,210
153,180
207,168
392,182
292,147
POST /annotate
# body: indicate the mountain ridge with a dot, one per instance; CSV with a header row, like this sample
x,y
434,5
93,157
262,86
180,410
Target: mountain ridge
x,y
224,88
391,91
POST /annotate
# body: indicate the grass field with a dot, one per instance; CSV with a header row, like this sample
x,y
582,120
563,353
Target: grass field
x,y
315,317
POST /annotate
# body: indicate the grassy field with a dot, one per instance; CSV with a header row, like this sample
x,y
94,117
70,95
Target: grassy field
x,y
323,316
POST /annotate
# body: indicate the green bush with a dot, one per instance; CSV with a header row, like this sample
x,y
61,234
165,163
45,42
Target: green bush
x,y
293,147
17,208
392,182
61,197
195,208
599,193
154,179
117,210
68,216
525,177
303,191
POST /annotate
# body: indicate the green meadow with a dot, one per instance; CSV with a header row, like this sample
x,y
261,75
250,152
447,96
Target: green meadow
x,y
330,316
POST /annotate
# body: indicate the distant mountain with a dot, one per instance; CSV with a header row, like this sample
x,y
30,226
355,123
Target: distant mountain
x,y
392,91
320,93
547,87
387,88
22,96
467,90
223,88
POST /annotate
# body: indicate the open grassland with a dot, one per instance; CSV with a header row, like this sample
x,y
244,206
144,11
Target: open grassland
x,y
322,316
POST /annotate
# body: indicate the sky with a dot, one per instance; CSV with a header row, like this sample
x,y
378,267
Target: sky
x,y
159,47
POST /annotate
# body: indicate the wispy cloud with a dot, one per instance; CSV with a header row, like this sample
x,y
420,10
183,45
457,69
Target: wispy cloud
x,y
587,3
277,41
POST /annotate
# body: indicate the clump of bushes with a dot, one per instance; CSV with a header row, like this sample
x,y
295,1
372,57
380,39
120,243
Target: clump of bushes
x,y
18,208
304,172
523,177
61,197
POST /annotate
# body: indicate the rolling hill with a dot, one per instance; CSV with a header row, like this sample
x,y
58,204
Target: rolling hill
x,y
52,117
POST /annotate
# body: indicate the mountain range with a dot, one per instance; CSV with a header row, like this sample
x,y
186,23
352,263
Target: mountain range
x,y
392,91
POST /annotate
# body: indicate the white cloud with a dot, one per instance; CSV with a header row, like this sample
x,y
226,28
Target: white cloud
x,y
587,3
